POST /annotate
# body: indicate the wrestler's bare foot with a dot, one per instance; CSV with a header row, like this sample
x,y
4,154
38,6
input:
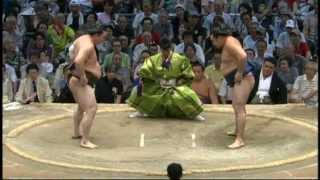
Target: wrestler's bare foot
x,y
236,144
76,137
199,118
88,145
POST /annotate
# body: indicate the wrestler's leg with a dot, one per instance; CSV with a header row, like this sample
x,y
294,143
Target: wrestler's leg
x,y
234,131
88,103
241,93
84,96
78,113
77,117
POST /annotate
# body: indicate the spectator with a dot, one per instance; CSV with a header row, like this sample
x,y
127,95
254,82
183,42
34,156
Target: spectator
x,y
34,88
280,23
261,47
188,39
147,12
310,25
178,21
287,73
194,25
124,6
178,38
59,34
213,72
305,88
168,5
164,27
13,56
123,28
250,40
42,13
244,24
75,18
116,46
106,16
300,47
268,87
125,47
40,45
145,54
297,61
108,88
91,21
42,27
105,47
34,59
218,10
174,171
10,79
190,53
122,73
205,90
147,25
283,41
147,41
10,27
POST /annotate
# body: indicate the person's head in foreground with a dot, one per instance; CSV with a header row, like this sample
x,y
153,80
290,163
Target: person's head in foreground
x,y
174,171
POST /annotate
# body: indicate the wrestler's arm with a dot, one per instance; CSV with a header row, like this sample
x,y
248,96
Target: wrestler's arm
x,y
240,55
81,59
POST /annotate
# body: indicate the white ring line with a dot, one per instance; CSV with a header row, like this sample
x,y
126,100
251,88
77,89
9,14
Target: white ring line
x,y
193,138
142,140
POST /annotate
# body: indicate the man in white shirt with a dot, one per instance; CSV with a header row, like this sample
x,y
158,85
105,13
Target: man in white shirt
x,y
305,88
268,87
188,39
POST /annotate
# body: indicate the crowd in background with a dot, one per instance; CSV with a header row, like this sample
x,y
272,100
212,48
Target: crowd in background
x,y
279,37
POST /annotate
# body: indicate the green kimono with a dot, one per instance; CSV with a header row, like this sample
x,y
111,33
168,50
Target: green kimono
x,y
157,100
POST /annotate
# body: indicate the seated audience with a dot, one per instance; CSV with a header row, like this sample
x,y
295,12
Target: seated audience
x,y
213,72
287,73
116,46
205,90
34,88
75,18
108,88
268,87
305,88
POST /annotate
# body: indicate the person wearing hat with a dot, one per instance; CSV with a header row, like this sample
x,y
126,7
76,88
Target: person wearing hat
x,y
75,18
283,40
238,74
268,87
83,72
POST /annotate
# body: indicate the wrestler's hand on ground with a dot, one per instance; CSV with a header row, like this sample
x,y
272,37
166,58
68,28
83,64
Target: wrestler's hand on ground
x,y
83,80
238,77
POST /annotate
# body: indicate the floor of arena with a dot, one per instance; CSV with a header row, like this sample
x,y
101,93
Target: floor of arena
x,y
281,142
